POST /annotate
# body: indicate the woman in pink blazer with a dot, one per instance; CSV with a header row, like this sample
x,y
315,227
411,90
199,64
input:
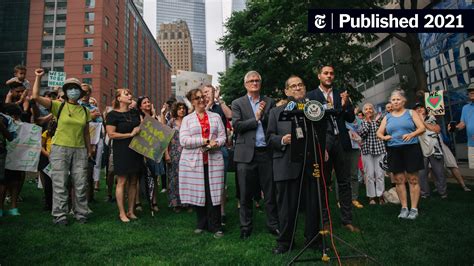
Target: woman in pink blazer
x,y
201,166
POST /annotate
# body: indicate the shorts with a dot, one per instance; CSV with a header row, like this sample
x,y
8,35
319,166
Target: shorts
x,y
470,157
405,158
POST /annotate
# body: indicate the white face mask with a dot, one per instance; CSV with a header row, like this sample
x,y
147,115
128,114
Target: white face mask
x,y
73,94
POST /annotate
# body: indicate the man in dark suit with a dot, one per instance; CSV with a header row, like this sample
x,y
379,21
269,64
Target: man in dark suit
x,y
288,172
337,137
253,157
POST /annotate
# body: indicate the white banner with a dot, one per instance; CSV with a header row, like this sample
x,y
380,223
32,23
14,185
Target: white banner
x,y
24,151
187,80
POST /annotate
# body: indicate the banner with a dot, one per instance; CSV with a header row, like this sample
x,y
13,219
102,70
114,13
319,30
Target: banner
x,y
153,139
434,102
94,131
24,151
56,78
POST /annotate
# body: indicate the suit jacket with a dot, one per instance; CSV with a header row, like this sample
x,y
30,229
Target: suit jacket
x,y
245,126
283,168
341,114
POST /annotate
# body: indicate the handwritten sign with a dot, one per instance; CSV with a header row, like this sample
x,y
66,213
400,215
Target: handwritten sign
x,y
56,78
434,102
187,80
94,131
23,152
153,139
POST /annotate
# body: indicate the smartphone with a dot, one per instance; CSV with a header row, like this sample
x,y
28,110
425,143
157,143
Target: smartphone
x,y
452,125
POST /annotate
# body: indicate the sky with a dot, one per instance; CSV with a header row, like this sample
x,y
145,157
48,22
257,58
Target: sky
x,y
217,11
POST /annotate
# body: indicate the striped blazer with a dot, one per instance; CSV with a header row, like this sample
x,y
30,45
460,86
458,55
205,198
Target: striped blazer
x,y
191,165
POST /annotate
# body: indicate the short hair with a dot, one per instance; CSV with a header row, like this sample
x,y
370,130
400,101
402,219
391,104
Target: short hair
x,y
208,86
118,93
18,68
87,85
175,107
252,73
190,95
320,67
171,100
292,76
398,92
367,104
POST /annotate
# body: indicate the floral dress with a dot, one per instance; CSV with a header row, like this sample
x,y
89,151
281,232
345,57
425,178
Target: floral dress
x,y
172,170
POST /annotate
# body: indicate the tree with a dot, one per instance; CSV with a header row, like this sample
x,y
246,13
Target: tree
x,y
272,38
412,40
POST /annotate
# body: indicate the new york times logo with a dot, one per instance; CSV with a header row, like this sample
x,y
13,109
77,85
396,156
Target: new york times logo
x,y
319,21
378,21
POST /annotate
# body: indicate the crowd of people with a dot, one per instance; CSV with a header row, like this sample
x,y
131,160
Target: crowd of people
x,y
277,160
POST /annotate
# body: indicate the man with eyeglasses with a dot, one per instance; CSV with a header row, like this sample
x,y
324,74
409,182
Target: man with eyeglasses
x,y
291,173
252,156
339,109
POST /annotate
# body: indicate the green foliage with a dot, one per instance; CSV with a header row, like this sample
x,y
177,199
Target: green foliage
x,y
271,37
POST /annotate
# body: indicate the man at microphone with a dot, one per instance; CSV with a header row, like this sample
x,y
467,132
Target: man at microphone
x,y
339,109
287,171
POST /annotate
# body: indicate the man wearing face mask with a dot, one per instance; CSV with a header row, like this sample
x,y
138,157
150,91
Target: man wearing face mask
x,y
70,149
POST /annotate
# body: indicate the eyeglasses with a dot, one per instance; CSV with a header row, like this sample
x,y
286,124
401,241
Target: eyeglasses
x,y
295,86
199,98
257,81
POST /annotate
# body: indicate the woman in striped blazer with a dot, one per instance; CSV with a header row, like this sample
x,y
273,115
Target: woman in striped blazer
x,y
201,166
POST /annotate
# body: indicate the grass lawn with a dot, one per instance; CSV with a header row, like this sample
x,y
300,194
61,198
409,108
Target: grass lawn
x,y
443,234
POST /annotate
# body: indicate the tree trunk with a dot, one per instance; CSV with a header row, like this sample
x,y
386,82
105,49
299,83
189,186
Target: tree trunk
x,y
418,64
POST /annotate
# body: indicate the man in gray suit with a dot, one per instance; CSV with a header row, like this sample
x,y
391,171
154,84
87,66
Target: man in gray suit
x,y
251,154
293,175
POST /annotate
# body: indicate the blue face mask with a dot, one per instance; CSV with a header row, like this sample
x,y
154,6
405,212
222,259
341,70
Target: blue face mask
x,y
73,94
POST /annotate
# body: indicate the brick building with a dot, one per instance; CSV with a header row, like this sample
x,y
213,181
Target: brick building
x,y
104,43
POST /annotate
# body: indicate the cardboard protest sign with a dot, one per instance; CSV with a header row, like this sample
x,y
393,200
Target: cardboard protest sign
x,y
24,151
56,78
434,102
94,131
153,139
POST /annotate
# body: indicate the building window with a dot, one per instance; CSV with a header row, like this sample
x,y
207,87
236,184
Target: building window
x,y
106,72
59,69
62,5
89,29
87,81
48,18
90,16
61,18
116,56
116,32
47,44
88,55
87,69
60,31
106,21
59,57
47,31
90,3
106,46
46,57
116,44
88,42
59,43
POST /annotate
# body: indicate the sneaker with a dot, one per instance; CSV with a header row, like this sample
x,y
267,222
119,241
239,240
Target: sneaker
x,y
198,231
466,189
218,234
403,213
444,196
163,190
14,212
357,204
413,214
62,222
82,220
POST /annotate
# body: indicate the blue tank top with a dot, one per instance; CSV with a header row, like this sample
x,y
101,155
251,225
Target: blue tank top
x,y
399,126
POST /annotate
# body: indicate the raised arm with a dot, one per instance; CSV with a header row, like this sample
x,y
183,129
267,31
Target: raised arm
x,y
46,102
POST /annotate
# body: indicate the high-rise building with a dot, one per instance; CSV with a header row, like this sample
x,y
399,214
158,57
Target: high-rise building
x,y
14,17
175,41
193,12
139,5
104,43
